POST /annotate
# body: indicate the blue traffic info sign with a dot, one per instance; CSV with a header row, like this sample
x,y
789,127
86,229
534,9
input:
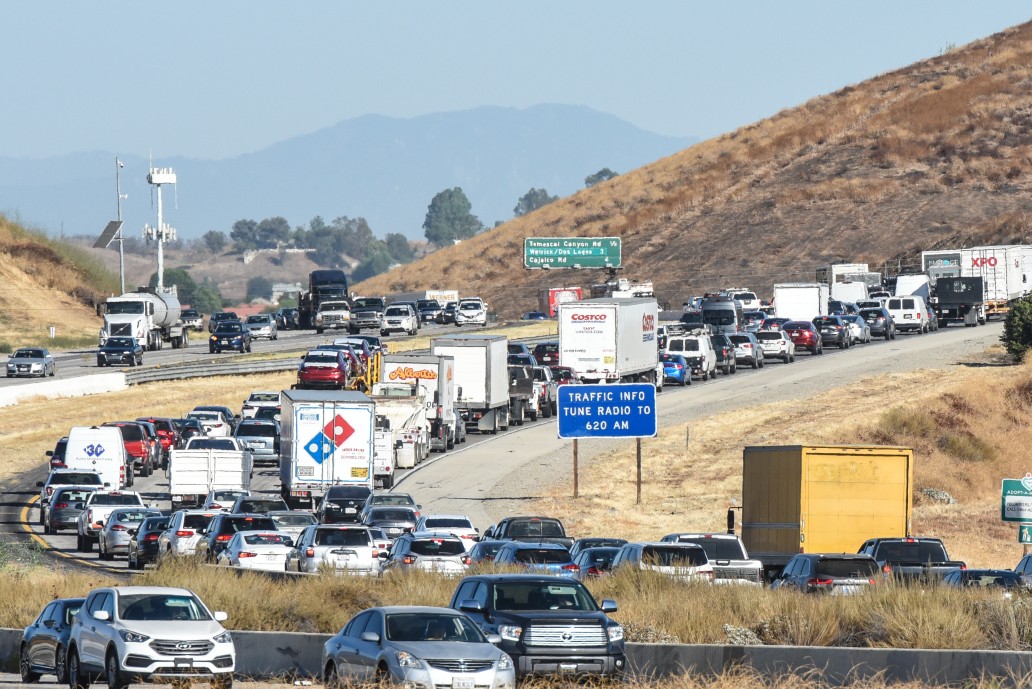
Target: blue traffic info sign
x,y
607,411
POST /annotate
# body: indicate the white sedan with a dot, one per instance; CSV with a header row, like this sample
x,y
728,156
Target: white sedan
x,y
457,524
266,550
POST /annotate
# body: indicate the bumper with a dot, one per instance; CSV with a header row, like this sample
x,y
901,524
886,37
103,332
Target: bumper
x,y
139,660
430,677
603,666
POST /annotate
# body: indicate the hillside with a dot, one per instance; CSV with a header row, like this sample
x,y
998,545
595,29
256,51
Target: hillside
x,y
47,283
935,154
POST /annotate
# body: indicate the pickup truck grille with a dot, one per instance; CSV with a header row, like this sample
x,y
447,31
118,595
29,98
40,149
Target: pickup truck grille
x,y
459,665
565,635
333,318
170,647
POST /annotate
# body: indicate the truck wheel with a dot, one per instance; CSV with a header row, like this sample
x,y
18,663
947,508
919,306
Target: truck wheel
x,y
713,374
318,331
547,410
726,370
533,416
388,482
784,359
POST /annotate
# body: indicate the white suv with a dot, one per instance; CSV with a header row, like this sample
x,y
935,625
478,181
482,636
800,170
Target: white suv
x,y
776,344
340,549
399,318
471,312
698,351
185,528
145,633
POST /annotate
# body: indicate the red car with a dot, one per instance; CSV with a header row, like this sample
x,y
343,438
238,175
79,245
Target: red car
x,y
167,434
547,353
324,368
137,445
804,334
563,375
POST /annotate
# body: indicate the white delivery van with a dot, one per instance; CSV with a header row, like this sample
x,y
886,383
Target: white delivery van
x,y
908,313
100,449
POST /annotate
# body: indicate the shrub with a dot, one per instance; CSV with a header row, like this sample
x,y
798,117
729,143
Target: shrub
x,y
967,448
1017,329
902,424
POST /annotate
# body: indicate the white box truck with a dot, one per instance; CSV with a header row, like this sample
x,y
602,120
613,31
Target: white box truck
x,y
192,474
481,379
610,340
852,292
436,374
100,449
326,440
403,407
801,301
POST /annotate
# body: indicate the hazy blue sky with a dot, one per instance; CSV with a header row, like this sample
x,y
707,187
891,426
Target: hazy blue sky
x,y
215,79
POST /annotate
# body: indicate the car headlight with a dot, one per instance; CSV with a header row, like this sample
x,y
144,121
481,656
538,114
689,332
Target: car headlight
x,y
615,632
510,632
213,338
223,638
408,660
11,367
505,662
132,637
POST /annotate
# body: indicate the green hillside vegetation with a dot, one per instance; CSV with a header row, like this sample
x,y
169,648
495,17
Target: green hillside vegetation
x,y
936,154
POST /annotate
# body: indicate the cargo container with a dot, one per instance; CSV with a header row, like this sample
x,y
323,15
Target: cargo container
x,y
192,474
837,272
1006,271
436,374
326,440
610,340
915,285
801,301
822,499
549,299
481,379
852,292
402,407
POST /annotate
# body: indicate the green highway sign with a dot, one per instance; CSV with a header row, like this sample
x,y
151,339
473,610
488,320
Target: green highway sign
x,y
1016,499
571,252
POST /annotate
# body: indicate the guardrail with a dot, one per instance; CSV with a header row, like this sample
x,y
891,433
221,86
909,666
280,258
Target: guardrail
x,y
207,369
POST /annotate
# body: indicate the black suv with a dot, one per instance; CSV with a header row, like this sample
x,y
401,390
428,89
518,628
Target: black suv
x,y
725,350
224,525
548,625
833,330
342,504
880,321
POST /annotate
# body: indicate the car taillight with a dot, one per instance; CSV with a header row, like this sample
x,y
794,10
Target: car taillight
x,y
223,537
409,559
817,581
572,567
150,538
309,552
118,527
593,571
467,560
247,554
468,536
184,533
886,569
61,505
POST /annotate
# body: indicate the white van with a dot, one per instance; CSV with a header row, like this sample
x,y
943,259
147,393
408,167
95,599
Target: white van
x,y
908,313
100,449
697,350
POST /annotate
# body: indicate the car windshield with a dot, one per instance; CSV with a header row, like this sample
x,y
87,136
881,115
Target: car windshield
x,y
855,569
258,319
397,311
256,430
161,607
352,537
225,328
115,499
446,523
409,627
542,556
669,556
125,342
83,478
470,306
542,596
267,539
125,307
368,304
437,546
28,354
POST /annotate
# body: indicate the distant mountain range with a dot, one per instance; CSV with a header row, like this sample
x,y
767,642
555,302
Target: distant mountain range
x,y
384,169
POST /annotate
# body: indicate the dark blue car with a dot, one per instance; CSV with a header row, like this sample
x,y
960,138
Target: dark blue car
x,y
676,368
120,350
539,558
229,335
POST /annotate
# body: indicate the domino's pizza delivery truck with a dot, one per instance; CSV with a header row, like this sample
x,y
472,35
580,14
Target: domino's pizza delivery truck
x,y
326,440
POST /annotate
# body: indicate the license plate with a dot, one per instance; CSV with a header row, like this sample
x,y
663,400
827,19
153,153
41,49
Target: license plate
x,y
306,471
272,556
462,683
568,668
906,316
349,510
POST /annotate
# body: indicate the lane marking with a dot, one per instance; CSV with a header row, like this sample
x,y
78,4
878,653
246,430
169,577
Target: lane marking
x,y
23,518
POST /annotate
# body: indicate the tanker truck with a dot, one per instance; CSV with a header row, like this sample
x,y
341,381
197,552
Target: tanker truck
x,y
151,319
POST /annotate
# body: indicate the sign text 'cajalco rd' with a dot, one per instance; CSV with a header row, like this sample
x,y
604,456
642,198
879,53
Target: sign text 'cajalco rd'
x,y
571,252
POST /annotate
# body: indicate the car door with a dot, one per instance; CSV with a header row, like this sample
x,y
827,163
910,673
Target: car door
x,y
369,651
41,635
347,647
93,633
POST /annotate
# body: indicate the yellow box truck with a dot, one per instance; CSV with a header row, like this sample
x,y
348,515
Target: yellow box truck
x,y
822,499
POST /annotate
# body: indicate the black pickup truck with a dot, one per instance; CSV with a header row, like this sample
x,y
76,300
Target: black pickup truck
x,y
549,625
535,529
911,559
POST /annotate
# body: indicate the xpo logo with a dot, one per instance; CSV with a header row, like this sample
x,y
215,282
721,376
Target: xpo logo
x,y
984,261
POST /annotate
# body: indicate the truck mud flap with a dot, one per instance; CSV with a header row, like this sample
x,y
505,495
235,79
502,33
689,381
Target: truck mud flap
x,y
489,422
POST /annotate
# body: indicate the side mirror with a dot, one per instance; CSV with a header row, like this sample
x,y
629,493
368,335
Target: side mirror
x,y
371,637
494,639
49,624
49,453
383,555
471,606
398,444
608,605
102,615
220,616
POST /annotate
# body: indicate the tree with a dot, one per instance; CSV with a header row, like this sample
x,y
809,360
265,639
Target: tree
x,y
206,299
272,232
215,241
259,287
355,235
1017,329
244,235
602,175
449,217
399,247
531,201
377,260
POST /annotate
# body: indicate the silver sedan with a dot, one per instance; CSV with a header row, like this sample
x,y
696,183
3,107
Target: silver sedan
x,y
120,528
31,361
416,647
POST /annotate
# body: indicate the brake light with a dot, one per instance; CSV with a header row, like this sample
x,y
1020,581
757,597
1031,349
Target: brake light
x,y
816,581
886,569
309,552
468,536
572,567
248,554
61,505
467,560
593,571
184,534
223,537
409,559
150,538
118,527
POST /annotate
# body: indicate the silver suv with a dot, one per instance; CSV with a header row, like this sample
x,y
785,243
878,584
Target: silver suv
x,y
262,438
727,555
429,551
399,318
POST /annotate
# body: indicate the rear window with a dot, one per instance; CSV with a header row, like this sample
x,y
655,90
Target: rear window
x,y
547,529
248,524
917,551
115,499
445,523
544,556
683,346
353,537
547,348
394,515
75,478
871,313
267,539
197,521
262,505
661,556
299,519
72,495
825,321
740,339
768,335
856,569
796,325
721,548
256,430
437,546
131,433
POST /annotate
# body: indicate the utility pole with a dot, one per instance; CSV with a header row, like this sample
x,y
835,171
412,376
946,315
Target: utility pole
x,y
118,204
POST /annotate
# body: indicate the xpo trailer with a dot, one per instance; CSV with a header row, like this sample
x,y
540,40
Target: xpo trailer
x,y
481,378
610,340
1006,271
326,440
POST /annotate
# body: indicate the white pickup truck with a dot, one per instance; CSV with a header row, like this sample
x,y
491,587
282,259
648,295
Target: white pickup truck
x,y
546,391
207,464
99,506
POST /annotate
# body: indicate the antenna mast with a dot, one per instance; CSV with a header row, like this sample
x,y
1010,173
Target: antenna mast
x,y
162,233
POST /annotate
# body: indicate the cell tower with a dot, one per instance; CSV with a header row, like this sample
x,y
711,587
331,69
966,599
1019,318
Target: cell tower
x,y
162,233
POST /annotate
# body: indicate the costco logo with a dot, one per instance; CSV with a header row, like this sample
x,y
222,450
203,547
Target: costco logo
x,y
592,317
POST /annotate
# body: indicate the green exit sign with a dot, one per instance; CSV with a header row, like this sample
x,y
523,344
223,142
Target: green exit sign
x,y
571,252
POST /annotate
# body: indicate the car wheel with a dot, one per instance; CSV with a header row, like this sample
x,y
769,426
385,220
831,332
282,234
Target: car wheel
x,y
726,370
754,364
785,358
383,333
27,675
547,410
211,350
713,374
685,381
60,666
87,545
77,677
114,673
841,344
893,335
102,551
533,416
